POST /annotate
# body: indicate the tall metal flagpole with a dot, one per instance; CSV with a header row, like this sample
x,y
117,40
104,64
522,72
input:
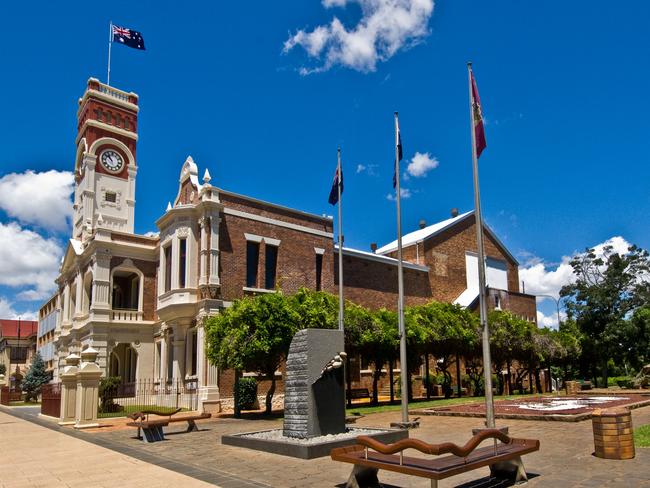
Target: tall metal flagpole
x,y
110,43
341,304
400,286
487,361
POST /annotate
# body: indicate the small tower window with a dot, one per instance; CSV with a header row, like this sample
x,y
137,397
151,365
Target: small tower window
x,y
110,197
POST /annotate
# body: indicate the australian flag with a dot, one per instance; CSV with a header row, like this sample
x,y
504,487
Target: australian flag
x,y
128,37
399,155
334,192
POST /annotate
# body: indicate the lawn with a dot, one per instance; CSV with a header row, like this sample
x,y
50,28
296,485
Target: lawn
x,y
24,404
363,410
642,436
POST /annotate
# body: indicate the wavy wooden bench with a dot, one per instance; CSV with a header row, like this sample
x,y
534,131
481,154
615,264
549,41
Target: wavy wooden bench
x,y
369,456
152,430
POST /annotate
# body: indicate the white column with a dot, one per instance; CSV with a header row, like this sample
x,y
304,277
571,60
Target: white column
x,y
163,356
208,376
214,250
175,248
203,227
78,309
189,336
65,314
178,365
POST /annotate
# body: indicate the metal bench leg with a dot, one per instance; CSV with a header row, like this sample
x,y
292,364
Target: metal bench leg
x,y
434,483
509,470
363,477
191,426
521,476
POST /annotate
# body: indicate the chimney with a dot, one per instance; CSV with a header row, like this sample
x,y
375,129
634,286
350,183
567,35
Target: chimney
x,y
373,247
454,212
423,223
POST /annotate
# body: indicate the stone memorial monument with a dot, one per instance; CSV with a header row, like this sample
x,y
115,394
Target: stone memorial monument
x,y
314,392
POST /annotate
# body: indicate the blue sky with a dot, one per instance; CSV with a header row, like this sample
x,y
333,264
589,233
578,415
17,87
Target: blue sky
x,y
562,86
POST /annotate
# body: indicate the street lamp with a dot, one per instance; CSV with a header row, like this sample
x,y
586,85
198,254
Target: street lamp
x,y
557,305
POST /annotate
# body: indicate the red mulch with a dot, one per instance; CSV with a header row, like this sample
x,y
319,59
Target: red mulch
x,y
503,407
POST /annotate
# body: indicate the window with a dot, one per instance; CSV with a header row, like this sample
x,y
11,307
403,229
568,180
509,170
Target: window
x,y
252,261
110,196
319,271
195,351
182,258
271,265
18,355
168,268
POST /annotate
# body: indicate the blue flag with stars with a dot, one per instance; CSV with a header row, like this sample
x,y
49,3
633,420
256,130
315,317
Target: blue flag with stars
x,y
128,37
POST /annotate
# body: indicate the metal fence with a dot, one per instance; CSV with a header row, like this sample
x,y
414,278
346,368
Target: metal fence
x,y
51,400
125,398
8,395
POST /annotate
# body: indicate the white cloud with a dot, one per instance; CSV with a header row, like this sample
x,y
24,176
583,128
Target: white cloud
x,y
368,169
542,279
28,259
41,199
403,192
421,164
7,312
550,320
152,233
385,27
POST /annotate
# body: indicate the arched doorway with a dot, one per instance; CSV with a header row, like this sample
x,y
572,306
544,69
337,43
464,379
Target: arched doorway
x,y
124,362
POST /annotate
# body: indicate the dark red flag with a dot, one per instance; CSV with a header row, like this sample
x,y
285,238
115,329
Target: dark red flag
x,y
479,129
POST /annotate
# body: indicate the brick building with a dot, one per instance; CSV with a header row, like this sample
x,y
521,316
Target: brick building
x,y
141,300
17,347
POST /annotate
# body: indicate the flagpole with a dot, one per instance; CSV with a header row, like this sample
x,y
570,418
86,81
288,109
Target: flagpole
x,y
341,303
487,361
400,285
110,43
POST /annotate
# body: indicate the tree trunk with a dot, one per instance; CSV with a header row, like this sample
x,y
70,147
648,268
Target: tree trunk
x,y
509,378
390,379
269,396
605,373
458,377
409,387
530,381
376,375
235,394
538,381
348,379
428,382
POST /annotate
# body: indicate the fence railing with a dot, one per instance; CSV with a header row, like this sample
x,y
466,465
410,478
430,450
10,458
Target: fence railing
x,y
130,397
8,395
51,400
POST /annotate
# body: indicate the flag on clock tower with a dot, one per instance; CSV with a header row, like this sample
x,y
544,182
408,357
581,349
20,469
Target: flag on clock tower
x,y
128,37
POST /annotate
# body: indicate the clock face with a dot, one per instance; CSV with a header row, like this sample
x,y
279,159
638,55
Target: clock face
x,y
112,161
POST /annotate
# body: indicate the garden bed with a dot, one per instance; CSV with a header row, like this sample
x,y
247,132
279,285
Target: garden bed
x,y
573,408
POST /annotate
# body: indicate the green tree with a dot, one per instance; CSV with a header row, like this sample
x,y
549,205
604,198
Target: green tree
x,y
253,334
35,378
510,340
379,343
607,290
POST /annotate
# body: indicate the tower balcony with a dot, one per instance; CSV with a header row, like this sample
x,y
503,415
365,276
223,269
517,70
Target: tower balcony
x,y
96,85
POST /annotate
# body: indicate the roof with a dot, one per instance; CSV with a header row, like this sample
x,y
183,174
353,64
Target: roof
x,y
421,234
382,259
435,229
9,328
467,298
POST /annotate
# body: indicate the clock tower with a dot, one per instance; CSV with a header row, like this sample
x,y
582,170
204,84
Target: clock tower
x,y
105,162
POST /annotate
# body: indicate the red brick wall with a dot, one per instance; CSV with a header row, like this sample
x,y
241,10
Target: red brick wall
x,y
296,265
374,284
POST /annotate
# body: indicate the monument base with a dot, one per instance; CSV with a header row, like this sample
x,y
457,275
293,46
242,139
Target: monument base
x,y
272,441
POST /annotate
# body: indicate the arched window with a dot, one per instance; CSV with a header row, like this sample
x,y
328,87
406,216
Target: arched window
x,y
126,287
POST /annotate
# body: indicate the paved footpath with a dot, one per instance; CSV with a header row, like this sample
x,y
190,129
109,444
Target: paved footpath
x,y
33,456
36,456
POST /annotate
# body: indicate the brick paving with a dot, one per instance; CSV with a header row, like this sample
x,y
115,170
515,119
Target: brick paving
x,y
564,460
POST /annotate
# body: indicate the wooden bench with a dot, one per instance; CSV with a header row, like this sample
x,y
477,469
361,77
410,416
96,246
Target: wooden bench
x,y
500,457
358,393
152,430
